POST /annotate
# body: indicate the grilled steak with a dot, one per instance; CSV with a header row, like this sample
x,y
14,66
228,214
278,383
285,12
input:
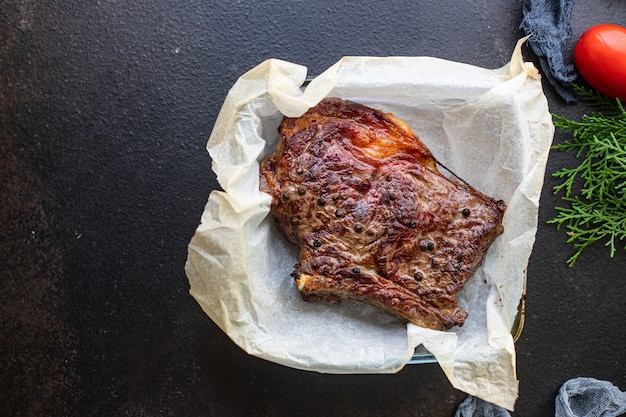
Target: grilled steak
x,y
375,219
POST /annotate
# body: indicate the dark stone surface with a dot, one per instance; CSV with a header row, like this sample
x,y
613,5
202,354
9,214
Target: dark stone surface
x,y
105,109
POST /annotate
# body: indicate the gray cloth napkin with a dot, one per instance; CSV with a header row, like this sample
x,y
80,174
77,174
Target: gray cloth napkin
x,y
475,407
549,24
578,397
589,397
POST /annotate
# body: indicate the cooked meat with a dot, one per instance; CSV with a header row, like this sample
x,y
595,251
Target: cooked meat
x,y
375,219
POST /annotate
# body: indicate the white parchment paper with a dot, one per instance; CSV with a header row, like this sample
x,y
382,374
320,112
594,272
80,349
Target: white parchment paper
x,y
491,127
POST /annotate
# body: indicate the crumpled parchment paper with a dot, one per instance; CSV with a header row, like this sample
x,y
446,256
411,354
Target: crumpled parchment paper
x,y
491,127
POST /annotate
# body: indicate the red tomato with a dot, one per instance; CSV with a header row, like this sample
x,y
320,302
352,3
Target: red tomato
x,y
600,56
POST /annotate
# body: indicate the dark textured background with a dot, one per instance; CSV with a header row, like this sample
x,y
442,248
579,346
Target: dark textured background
x,y
105,110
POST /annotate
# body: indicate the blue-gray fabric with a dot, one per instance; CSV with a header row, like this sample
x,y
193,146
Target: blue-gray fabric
x,y
589,397
549,24
578,397
476,407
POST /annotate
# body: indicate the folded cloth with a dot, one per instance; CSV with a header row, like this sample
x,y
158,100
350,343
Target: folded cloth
x,y
549,25
578,397
589,397
476,407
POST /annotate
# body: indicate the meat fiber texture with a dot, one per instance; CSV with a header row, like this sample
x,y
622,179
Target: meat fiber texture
x,y
491,127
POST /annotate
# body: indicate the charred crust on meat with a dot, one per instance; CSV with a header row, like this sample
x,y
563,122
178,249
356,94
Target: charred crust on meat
x,y
375,219
390,196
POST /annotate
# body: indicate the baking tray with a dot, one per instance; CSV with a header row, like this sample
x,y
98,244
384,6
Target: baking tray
x,y
421,355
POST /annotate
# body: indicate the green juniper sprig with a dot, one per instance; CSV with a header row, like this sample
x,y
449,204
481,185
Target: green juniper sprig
x,y
596,212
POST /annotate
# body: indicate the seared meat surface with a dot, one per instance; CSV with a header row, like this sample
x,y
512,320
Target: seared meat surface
x,y
374,218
